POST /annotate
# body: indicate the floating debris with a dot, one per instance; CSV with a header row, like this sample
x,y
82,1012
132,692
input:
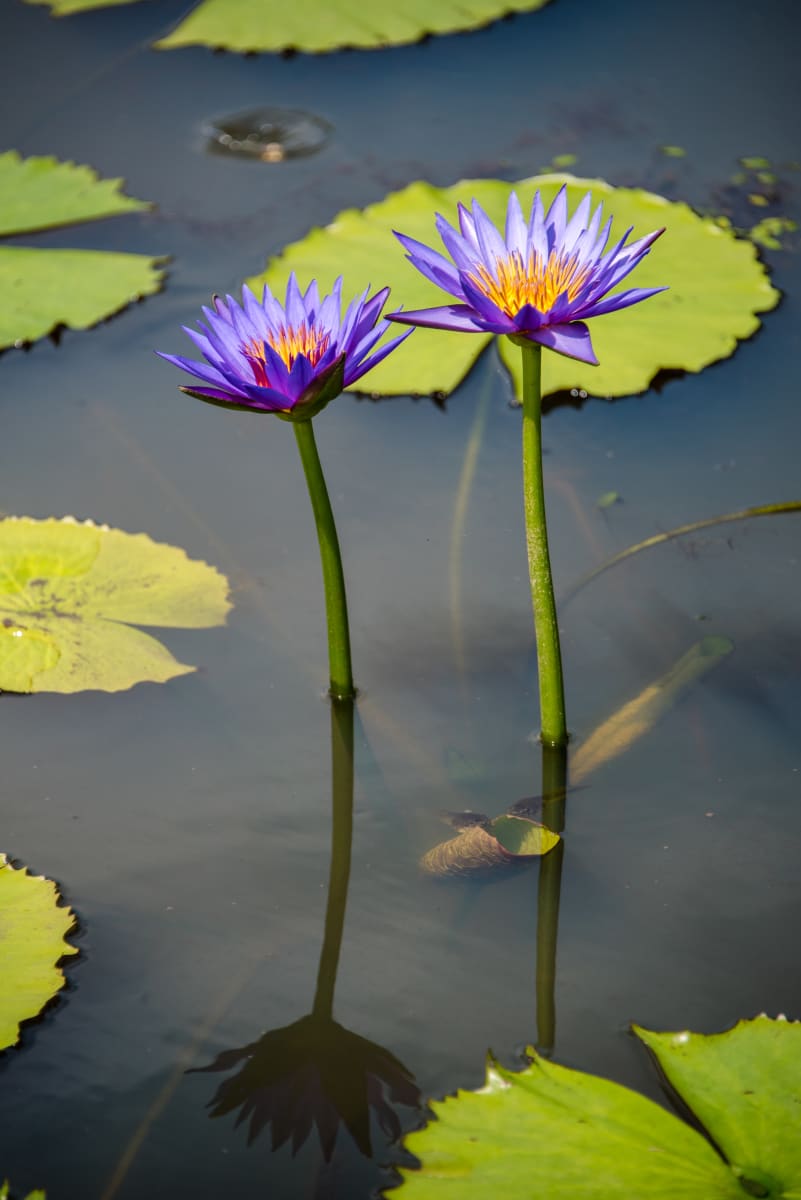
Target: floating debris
x,y
267,134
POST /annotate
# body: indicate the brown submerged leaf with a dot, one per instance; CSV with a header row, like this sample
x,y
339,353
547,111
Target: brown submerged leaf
x,y
505,842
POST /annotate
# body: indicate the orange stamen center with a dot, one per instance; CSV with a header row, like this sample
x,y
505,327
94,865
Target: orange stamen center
x,y
288,343
517,282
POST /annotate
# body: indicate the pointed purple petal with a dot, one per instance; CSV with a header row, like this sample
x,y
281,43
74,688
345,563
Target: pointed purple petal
x,y
355,371
572,340
492,245
516,231
462,251
430,263
537,237
556,219
621,300
200,370
450,316
577,224
295,310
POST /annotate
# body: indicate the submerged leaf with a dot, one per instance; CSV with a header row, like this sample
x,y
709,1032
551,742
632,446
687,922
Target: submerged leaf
x,y
42,289
550,1131
716,287
67,591
33,929
504,842
628,724
321,25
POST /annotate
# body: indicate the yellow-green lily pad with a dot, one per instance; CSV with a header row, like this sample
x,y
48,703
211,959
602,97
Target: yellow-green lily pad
x,y
4,1193
33,933
70,593
555,1132
316,25
717,286
44,288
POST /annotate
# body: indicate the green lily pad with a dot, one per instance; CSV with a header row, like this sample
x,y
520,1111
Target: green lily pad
x,y
315,26
4,1193
68,592
717,286
550,1131
744,1086
33,931
320,25
42,289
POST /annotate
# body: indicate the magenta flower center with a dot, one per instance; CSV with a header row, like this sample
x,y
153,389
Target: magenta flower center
x,y
288,342
516,282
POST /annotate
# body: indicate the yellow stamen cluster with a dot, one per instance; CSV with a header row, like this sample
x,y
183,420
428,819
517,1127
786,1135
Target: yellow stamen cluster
x,y
291,341
517,282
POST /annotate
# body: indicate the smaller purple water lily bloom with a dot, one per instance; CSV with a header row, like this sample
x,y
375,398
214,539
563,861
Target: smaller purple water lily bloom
x,y
289,359
540,282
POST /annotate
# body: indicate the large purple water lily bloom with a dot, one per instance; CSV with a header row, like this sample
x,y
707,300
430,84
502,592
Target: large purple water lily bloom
x,y
288,359
541,282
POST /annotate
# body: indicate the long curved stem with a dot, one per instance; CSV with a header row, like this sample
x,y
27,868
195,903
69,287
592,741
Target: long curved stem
x,y
336,607
549,657
341,839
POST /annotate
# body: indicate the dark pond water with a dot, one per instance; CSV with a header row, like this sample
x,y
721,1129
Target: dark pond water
x,y
189,824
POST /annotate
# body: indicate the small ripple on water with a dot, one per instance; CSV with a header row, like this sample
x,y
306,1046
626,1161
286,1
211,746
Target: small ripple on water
x,y
267,134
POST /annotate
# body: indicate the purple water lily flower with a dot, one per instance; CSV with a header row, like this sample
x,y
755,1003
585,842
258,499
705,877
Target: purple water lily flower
x,y
541,282
289,359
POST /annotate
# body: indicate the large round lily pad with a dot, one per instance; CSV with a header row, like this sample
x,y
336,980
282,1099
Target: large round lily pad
x,y
717,286
41,289
550,1131
69,593
33,931
316,25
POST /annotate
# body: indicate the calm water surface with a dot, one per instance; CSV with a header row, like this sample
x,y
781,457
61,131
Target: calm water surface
x,y
189,824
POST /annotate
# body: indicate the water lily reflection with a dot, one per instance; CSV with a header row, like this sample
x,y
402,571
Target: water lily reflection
x,y
315,1072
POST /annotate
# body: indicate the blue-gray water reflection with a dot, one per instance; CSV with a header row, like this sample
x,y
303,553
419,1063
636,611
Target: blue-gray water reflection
x,y
189,823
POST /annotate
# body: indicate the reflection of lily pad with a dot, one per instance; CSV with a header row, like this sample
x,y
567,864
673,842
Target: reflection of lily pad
x,y
68,591
716,287
33,928
317,25
550,1131
44,288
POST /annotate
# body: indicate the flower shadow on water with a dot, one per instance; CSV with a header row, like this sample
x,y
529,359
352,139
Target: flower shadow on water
x,y
315,1072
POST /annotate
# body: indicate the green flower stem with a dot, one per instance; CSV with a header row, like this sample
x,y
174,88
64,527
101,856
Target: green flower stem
x,y
549,658
341,839
554,786
336,606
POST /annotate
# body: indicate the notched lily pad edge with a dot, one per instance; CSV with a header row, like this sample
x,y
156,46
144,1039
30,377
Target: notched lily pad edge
x,y
71,955
54,335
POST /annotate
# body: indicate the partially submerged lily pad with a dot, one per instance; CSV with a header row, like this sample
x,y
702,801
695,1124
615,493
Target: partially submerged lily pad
x,y
550,1131
717,286
33,932
506,841
68,592
42,289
